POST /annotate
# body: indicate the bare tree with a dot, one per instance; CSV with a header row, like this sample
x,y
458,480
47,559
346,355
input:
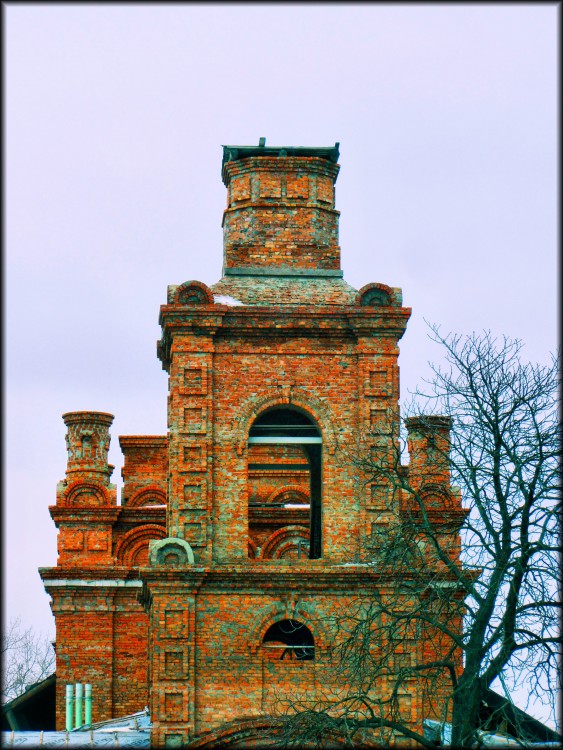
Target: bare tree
x,y
469,544
27,658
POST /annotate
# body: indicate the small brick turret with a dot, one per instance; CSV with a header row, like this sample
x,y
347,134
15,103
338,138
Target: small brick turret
x,y
87,443
280,214
86,500
101,627
429,448
429,475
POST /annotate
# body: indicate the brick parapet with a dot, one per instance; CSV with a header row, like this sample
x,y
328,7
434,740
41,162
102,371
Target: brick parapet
x,y
145,464
203,325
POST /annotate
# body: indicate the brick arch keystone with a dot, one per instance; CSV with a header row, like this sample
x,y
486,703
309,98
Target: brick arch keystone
x,y
287,610
290,396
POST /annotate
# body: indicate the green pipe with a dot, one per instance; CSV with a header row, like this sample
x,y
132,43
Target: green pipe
x,y
69,702
88,704
78,706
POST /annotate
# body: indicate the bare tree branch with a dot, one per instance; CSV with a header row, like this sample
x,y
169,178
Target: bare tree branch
x,y
470,543
27,658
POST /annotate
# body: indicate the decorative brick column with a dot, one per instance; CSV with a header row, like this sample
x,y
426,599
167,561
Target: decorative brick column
x,y
86,500
87,443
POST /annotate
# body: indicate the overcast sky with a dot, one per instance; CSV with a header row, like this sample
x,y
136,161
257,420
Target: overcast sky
x,y
114,120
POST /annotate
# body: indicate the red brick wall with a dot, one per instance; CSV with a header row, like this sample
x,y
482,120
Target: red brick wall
x,y
145,464
101,628
281,213
299,342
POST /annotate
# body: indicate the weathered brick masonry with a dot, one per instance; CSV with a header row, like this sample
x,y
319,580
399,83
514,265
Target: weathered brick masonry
x,y
249,513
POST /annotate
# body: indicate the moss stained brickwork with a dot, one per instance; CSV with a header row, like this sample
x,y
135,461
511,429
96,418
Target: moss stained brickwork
x,y
248,514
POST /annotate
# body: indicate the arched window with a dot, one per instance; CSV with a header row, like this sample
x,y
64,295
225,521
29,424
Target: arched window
x,y
285,449
289,639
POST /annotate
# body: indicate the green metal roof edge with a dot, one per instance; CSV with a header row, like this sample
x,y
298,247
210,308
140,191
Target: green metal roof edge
x,y
234,153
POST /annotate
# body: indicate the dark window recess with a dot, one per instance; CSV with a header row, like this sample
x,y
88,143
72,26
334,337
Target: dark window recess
x,y
283,423
280,423
278,467
293,639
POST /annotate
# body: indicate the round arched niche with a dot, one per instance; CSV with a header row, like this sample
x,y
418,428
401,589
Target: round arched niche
x,y
152,496
133,548
170,552
193,293
376,295
289,542
436,497
86,494
292,493
285,417
289,610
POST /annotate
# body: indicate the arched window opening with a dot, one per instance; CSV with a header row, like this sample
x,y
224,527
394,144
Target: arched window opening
x,y
289,639
284,476
86,446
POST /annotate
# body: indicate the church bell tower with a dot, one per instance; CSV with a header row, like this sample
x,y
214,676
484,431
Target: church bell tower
x,y
275,374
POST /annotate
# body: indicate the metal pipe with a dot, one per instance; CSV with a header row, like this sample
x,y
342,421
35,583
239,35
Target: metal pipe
x,y
78,706
69,707
88,704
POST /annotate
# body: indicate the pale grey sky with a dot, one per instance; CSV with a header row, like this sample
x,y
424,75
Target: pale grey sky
x,y
114,120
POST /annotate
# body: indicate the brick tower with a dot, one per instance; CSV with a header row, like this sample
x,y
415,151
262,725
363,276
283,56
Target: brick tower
x,y
279,375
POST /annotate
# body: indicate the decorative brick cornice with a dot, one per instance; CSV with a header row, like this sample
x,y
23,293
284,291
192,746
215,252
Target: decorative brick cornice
x,y
272,575
142,515
277,515
84,515
86,573
277,165
277,578
379,321
277,320
142,441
